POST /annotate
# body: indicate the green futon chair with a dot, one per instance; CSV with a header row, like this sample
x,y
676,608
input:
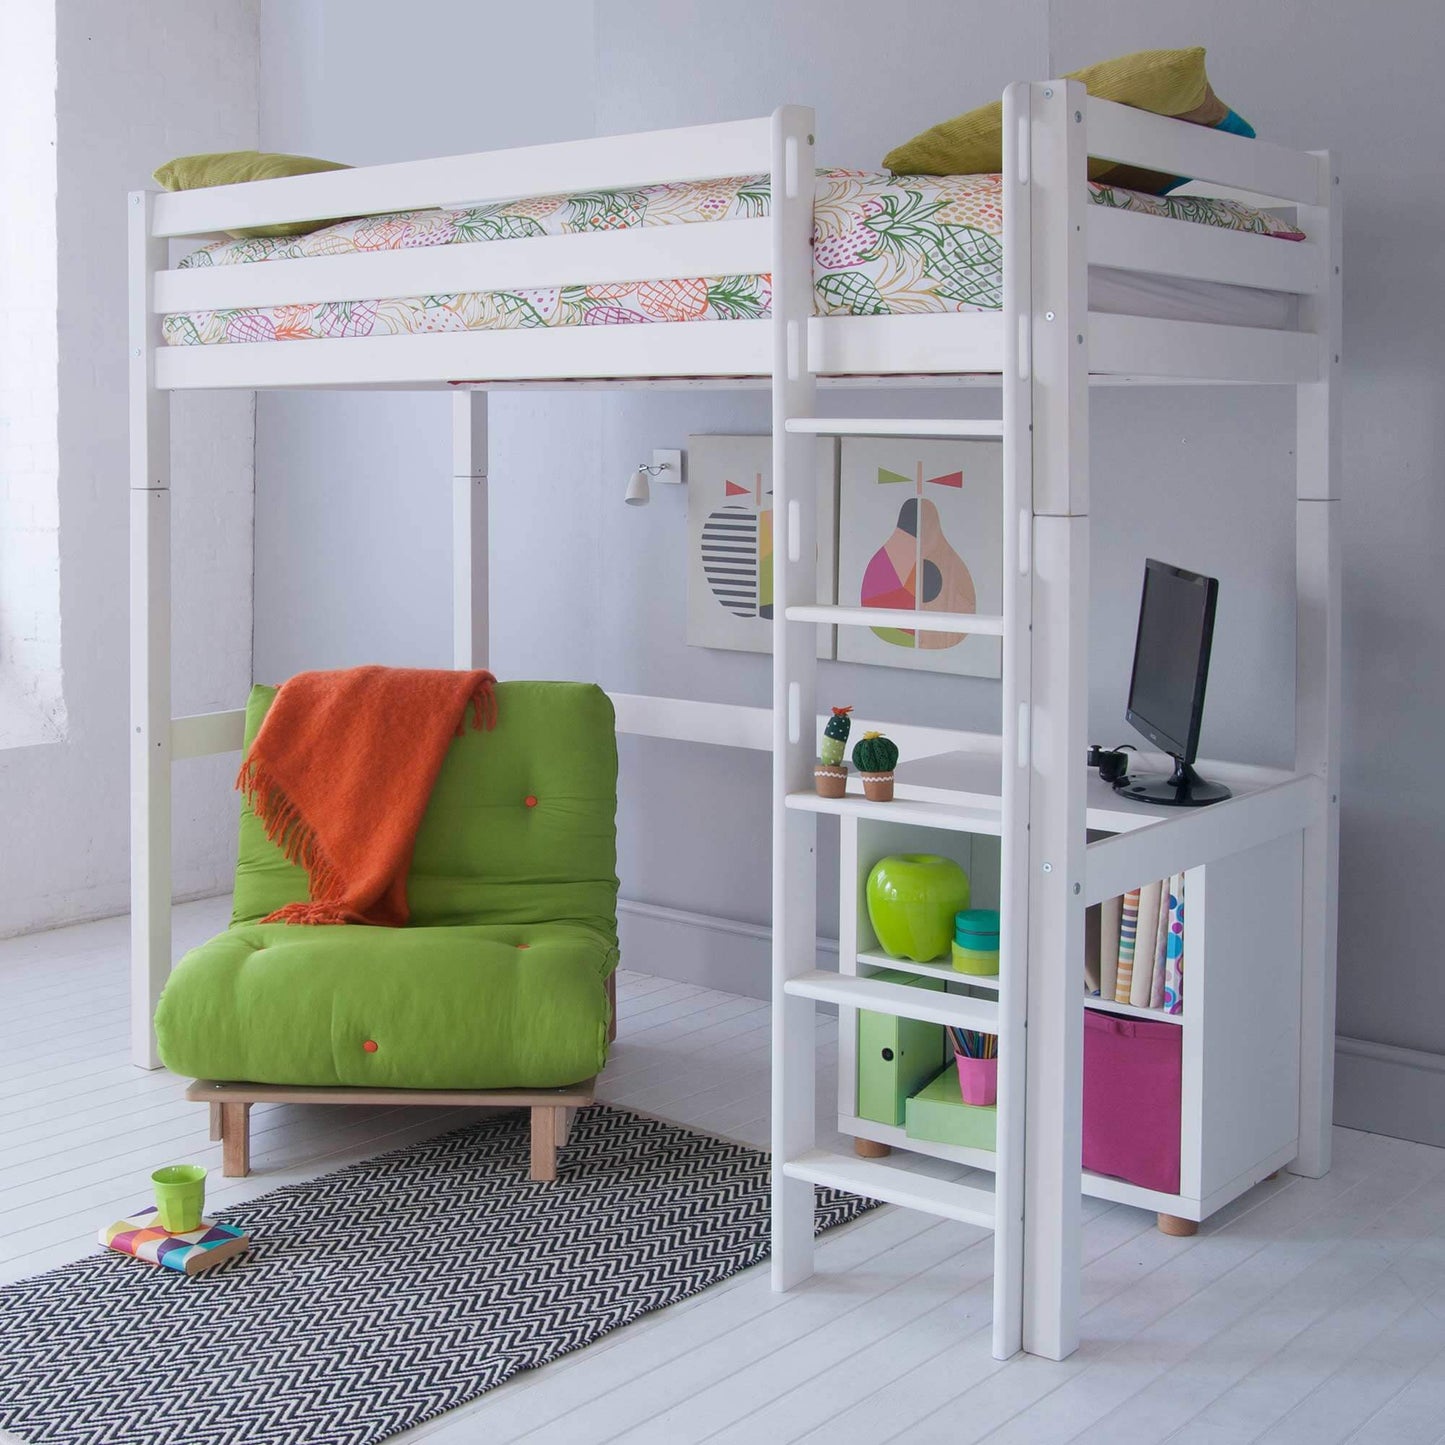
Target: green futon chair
x,y
499,992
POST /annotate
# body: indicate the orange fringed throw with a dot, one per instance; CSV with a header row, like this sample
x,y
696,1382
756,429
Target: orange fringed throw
x,y
340,774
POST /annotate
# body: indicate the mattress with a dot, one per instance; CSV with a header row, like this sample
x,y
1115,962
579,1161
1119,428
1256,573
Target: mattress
x,y
882,245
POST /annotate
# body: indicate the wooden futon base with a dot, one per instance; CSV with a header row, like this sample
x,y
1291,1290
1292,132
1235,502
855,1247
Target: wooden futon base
x,y
230,1104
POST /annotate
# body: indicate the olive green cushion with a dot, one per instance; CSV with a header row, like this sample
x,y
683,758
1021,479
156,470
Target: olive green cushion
x,y
1166,82
450,1001
229,168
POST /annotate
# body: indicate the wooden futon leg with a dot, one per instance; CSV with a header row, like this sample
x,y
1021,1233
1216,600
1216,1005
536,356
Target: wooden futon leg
x,y
215,1121
612,1007
550,1125
235,1140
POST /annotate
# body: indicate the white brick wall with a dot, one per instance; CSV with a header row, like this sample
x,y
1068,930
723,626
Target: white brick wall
x,y
136,85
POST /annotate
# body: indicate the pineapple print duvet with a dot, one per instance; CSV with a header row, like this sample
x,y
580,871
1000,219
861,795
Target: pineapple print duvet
x,y
882,245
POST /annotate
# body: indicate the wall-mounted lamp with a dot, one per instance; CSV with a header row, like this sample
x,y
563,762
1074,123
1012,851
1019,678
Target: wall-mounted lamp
x,y
666,466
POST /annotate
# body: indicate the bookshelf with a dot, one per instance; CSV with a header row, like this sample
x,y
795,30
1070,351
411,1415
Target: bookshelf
x,y
1240,1028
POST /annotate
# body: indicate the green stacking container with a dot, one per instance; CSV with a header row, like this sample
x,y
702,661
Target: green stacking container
x,y
938,1115
896,1056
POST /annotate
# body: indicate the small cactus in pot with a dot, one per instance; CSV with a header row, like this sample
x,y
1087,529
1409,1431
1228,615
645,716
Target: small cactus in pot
x,y
830,777
875,757
835,736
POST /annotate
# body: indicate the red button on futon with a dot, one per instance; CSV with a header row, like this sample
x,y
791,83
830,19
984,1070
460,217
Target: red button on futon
x,y
530,800
370,1046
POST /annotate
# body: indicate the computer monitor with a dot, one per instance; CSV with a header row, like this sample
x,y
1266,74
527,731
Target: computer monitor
x,y
1166,690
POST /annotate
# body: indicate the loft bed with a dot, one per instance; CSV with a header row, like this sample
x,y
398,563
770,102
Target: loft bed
x,y
1060,322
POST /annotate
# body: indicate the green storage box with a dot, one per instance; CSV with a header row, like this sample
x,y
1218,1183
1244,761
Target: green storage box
x,y
938,1115
896,1056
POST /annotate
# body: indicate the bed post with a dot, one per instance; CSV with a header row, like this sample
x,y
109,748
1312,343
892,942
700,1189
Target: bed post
x,y
1017,648
150,643
795,875
1317,673
1057,366
470,620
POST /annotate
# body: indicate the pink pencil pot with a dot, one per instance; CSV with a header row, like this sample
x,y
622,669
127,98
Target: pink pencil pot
x,y
977,1080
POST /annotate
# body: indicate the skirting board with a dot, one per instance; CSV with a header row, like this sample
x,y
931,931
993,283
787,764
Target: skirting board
x,y
701,948
1383,1089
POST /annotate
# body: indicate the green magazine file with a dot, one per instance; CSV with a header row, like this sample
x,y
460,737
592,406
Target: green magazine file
x,y
896,1056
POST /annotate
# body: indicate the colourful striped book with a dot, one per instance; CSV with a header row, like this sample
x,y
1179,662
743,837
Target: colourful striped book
x,y
1128,929
189,1253
1146,938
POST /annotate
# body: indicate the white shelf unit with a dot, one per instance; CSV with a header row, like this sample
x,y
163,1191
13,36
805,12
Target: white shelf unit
x,y
1243,972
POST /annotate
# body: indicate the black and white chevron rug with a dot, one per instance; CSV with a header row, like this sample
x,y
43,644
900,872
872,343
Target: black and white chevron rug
x,y
381,1295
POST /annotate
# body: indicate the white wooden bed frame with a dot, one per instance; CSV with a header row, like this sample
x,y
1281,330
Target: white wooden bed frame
x,y
1043,349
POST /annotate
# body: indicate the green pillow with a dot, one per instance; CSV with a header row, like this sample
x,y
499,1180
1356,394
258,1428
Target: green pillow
x,y
229,168
1166,82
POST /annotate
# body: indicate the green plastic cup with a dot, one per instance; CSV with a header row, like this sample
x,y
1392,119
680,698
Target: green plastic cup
x,y
180,1196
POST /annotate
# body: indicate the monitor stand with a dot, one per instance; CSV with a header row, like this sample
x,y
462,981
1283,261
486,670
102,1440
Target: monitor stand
x,y
1183,788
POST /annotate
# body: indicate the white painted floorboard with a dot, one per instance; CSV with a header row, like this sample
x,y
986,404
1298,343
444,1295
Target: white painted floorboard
x,y
1309,1312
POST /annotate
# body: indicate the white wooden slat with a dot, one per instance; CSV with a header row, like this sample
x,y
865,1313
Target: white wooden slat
x,y
204,734
641,253
662,349
888,426
894,1184
470,531
1195,836
1056,367
1013,769
951,1010
925,815
1134,241
1123,348
977,624
646,158
1178,148
1143,346
951,344
795,566
1317,680
150,640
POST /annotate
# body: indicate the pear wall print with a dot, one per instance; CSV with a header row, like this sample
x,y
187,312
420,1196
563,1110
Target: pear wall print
x,y
920,530
730,541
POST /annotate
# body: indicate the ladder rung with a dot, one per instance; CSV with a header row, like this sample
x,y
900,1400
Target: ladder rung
x,y
976,624
874,426
894,1185
930,1006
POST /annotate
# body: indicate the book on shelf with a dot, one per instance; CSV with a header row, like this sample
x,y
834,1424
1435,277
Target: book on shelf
x,y
1092,924
1128,940
1146,936
1134,948
1110,911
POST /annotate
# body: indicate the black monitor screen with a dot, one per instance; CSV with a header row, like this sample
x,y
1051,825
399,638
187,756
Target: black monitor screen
x,y
1171,657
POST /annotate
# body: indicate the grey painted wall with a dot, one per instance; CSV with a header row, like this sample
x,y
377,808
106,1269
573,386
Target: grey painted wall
x,y
129,95
352,494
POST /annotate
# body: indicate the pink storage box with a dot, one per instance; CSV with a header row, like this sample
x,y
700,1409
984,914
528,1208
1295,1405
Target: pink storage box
x,y
1131,1099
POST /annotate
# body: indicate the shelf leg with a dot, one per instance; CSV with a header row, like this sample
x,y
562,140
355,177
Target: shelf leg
x,y
870,1149
1172,1224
